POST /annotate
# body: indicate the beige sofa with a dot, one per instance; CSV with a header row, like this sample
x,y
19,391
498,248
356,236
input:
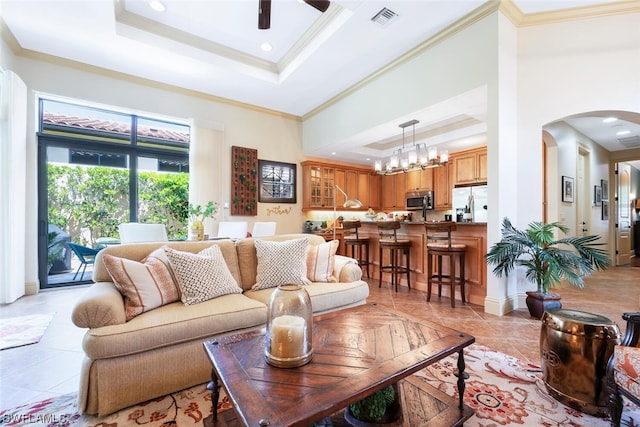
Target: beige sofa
x,y
161,351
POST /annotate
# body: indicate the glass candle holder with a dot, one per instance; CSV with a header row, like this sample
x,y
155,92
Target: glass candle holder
x,y
288,341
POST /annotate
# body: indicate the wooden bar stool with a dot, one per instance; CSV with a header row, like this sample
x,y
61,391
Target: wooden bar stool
x,y
439,245
359,245
396,247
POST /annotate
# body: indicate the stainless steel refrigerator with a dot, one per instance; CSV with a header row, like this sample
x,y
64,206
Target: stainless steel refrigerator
x,y
470,203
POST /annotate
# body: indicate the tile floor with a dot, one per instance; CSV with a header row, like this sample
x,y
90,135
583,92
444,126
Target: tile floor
x,y
51,367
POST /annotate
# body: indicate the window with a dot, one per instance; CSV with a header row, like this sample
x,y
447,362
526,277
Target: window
x,y
99,168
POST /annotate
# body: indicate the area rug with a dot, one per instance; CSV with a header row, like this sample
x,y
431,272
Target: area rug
x,y
501,389
23,330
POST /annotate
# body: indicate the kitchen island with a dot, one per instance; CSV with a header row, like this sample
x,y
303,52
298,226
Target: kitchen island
x,y
474,235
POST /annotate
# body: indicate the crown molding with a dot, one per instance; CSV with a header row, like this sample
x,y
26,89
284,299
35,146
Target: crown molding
x,y
511,11
575,13
18,50
466,21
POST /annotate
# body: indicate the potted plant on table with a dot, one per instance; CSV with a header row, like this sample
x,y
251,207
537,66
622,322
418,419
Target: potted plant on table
x,y
546,260
382,408
197,214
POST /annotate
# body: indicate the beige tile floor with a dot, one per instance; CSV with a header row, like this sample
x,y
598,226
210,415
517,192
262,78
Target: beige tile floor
x,y
51,367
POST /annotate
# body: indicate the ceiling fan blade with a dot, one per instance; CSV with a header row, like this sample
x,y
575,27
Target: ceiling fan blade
x,y
264,15
321,5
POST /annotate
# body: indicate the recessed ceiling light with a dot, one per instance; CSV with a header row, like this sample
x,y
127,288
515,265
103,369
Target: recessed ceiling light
x,y
623,132
609,120
266,46
157,5
333,153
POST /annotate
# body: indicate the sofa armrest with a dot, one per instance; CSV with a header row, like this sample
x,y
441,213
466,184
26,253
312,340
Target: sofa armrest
x,y
101,305
632,334
350,273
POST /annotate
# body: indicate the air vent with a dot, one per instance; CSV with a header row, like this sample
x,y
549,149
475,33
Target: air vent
x,y
630,142
383,17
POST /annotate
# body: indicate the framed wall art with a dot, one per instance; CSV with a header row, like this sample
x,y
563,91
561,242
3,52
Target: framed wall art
x,y
605,210
597,195
605,189
277,182
568,189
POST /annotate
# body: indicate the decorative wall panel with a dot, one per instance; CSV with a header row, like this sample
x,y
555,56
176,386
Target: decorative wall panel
x,y
244,181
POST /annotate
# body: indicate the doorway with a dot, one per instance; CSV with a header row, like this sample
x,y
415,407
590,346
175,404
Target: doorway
x,y
623,214
583,192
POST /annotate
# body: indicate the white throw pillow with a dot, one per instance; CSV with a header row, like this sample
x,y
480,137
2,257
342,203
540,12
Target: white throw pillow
x,y
281,263
321,261
144,285
202,276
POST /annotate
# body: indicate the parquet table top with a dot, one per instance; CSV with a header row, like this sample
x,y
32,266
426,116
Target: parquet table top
x,y
356,352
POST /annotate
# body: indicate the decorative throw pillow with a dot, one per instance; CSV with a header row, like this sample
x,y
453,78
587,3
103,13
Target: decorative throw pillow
x,y
202,276
281,263
321,260
144,285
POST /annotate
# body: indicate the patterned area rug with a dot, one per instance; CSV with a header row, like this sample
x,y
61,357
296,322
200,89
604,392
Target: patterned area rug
x,y
501,389
23,330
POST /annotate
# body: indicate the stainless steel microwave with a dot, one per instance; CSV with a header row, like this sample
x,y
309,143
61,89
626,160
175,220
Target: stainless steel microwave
x,y
418,200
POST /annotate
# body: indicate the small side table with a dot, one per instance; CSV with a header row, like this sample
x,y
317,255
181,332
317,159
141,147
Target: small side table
x,y
575,347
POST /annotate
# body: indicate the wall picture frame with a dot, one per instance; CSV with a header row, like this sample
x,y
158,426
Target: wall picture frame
x,y
605,189
568,189
605,210
597,195
277,182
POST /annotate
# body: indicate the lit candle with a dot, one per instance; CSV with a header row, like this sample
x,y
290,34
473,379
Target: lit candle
x,y
287,337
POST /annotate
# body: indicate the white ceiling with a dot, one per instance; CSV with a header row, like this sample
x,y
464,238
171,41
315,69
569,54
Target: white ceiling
x,y
213,47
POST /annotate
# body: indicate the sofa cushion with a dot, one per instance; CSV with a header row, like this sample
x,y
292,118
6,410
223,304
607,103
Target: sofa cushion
x,y
324,296
174,324
280,263
321,260
202,276
140,251
144,285
246,253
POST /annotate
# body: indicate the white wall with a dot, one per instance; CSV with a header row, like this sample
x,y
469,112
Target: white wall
x,y
13,140
534,76
217,126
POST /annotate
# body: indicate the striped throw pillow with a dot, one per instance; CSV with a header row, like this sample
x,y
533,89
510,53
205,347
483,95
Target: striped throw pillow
x,y
144,285
321,261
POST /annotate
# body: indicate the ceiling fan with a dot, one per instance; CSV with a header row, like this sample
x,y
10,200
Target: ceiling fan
x,y
264,11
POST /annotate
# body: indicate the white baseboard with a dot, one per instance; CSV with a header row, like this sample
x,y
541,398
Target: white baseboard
x,y
31,288
500,307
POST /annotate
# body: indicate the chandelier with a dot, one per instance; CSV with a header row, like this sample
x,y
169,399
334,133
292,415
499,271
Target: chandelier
x,y
418,157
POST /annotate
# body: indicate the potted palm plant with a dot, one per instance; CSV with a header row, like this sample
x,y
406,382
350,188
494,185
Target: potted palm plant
x,y
546,260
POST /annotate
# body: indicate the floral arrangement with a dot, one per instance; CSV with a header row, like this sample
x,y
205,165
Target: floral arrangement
x,y
197,214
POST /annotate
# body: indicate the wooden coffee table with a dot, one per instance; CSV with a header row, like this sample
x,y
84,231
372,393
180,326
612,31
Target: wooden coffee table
x,y
356,352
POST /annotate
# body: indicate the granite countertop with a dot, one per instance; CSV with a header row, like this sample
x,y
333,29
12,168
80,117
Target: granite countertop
x,y
422,222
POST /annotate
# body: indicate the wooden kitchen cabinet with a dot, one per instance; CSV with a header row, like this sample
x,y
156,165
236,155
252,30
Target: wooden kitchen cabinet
x,y
420,179
319,180
442,188
374,192
364,188
392,192
469,167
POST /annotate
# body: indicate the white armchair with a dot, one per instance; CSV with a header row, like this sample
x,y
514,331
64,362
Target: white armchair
x,y
134,232
263,229
232,229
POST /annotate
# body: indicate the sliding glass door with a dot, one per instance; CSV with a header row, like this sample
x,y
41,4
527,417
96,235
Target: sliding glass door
x,y
96,170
